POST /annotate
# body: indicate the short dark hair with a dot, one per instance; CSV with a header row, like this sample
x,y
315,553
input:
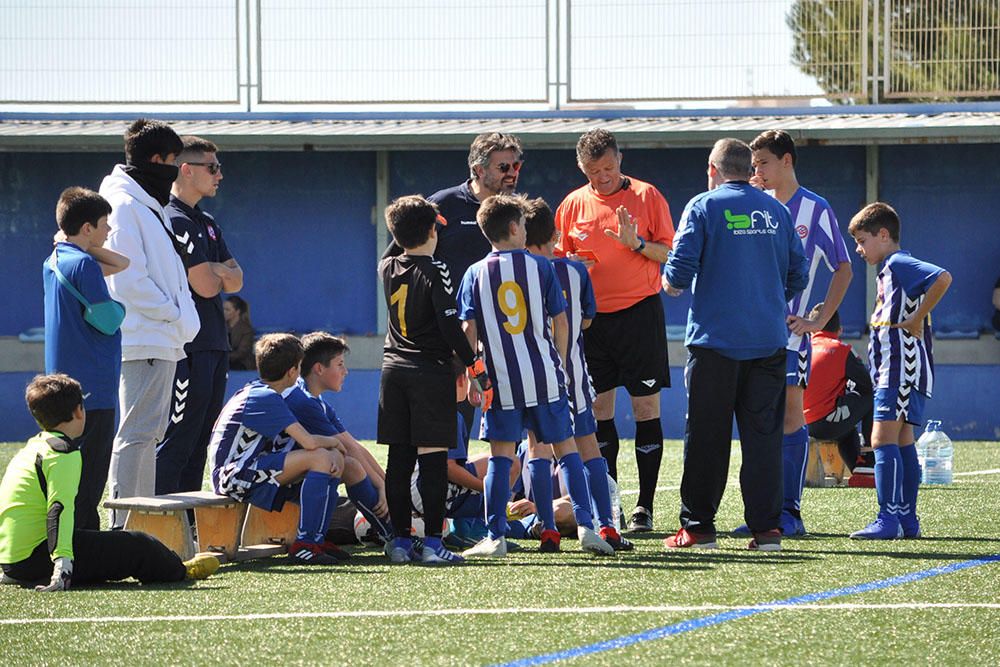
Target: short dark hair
x,y
321,347
410,220
833,324
77,206
52,399
732,158
488,143
778,142
594,144
275,354
539,223
877,215
496,213
145,138
195,146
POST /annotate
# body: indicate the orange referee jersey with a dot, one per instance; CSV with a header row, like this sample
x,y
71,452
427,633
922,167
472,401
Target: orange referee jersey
x,y
621,276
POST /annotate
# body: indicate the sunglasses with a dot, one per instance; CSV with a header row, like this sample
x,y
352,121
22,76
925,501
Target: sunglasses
x,y
213,167
504,167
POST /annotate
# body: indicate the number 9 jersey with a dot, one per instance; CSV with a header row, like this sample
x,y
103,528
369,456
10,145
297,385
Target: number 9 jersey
x,y
424,330
511,295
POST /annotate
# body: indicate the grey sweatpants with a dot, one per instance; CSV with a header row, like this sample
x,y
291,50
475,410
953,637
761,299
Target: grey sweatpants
x,y
144,406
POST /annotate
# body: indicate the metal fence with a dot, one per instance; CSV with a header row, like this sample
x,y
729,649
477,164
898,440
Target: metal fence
x,y
256,55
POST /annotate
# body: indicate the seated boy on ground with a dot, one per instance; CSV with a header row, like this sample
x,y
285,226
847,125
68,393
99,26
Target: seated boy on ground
x,y
581,306
38,537
252,453
506,301
323,369
839,397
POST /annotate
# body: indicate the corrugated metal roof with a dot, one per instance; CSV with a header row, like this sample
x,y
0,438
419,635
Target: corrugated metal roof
x,y
539,131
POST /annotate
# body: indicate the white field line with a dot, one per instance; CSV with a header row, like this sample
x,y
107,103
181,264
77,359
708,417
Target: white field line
x,y
497,612
993,471
635,492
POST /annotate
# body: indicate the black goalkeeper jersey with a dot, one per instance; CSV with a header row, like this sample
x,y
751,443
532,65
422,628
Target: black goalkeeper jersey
x,y
424,329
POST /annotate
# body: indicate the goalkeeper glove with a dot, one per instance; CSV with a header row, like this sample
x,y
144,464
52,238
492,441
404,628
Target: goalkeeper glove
x,y
62,573
481,382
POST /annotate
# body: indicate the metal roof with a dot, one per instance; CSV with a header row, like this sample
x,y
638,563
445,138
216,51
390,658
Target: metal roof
x,y
974,123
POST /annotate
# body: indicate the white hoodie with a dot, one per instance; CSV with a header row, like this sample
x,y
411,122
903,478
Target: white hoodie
x,y
160,315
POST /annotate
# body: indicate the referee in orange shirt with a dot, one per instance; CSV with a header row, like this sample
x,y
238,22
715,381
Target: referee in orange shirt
x,y
621,229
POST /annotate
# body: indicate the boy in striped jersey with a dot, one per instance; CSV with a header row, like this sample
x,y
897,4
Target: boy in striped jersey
x,y
774,160
505,302
901,366
581,306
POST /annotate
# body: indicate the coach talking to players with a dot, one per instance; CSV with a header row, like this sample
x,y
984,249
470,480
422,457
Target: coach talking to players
x,y
621,228
737,249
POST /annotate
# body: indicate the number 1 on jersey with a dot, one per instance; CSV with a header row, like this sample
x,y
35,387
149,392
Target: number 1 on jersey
x,y
398,299
512,304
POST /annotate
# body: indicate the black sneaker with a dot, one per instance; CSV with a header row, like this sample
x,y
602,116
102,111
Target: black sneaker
x,y
614,538
641,521
309,553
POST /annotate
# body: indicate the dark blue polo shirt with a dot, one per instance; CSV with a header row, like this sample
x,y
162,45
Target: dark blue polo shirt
x,y
461,243
202,242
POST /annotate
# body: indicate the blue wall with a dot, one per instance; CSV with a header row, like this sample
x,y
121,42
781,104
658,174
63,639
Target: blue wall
x,y
301,222
965,399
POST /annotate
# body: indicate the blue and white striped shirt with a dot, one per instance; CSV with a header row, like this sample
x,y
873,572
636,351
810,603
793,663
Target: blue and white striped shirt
x,y
580,305
511,295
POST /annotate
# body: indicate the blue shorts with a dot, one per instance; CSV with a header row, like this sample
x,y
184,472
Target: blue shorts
x,y
899,404
584,423
798,363
551,423
270,495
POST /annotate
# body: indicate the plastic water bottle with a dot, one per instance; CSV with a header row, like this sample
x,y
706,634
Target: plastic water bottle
x,y
935,452
616,503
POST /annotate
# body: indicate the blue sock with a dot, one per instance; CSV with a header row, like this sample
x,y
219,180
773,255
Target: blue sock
x,y
433,541
313,497
497,488
597,479
911,481
574,479
540,473
889,479
518,529
794,452
364,495
332,499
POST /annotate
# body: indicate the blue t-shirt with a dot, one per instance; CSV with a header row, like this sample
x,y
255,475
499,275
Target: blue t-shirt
x,y
71,345
249,426
737,250
460,452
202,242
316,415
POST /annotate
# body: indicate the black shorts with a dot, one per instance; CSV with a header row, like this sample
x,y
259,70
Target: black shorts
x,y
417,407
628,348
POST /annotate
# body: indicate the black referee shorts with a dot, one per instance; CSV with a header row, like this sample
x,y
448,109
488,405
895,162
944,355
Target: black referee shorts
x,y
628,348
417,407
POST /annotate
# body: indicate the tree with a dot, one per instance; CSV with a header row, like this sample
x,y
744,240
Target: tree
x,y
938,50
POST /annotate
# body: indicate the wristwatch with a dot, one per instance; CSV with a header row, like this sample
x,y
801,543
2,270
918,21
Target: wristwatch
x,y
642,244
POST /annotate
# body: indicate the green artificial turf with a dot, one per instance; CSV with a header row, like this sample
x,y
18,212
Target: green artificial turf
x,y
543,598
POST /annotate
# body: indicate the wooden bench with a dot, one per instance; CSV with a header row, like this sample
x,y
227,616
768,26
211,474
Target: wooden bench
x,y
825,468
226,527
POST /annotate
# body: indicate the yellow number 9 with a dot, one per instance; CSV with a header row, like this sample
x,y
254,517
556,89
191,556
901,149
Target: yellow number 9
x,y
512,304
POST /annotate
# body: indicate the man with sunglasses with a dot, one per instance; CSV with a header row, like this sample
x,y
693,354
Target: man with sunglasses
x,y
621,229
200,378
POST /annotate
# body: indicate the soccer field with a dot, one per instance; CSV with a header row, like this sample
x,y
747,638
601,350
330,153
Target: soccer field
x,y
832,600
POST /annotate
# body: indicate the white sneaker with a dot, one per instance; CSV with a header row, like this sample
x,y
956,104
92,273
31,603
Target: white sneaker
x,y
487,548
592,542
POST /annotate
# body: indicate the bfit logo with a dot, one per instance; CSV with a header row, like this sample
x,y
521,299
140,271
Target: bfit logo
x,y
802,231
755,222
649,383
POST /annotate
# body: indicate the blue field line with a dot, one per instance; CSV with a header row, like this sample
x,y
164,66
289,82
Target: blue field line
x,y
716,619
